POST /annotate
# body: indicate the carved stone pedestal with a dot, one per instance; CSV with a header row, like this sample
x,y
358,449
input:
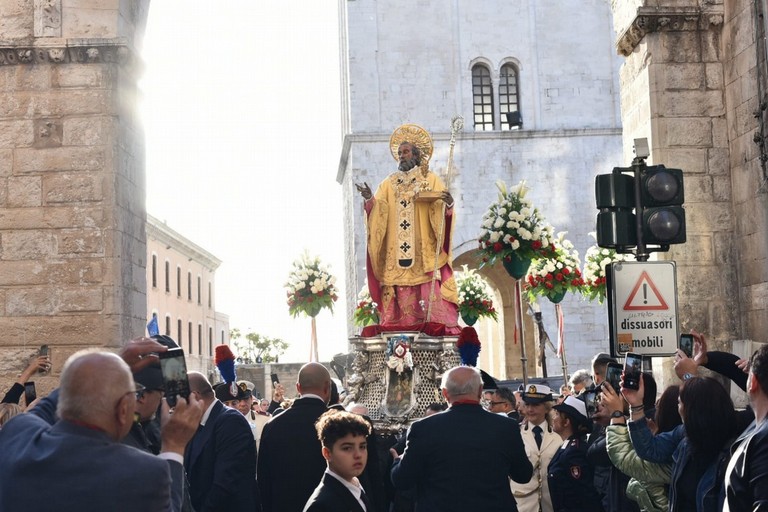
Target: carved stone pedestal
x,y
397,375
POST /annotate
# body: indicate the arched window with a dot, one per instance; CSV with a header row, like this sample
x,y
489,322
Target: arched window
x,y
482,97
167,276
154,271
508,95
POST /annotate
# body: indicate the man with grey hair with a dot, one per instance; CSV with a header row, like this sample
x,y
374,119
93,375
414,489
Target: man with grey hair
x,y
579,381
462,459
75,457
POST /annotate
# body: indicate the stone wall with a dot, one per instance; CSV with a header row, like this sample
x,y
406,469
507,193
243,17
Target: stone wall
x,y
689,85
72,243
415,66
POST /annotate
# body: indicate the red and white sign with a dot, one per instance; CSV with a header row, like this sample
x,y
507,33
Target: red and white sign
x,y
644,307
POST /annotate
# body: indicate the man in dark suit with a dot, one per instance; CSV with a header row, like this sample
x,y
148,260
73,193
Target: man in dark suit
x,y
221,458
65,465
462,459
290,460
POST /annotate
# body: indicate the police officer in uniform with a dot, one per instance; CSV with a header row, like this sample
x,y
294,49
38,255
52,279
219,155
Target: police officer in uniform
x,y
570,476
541,444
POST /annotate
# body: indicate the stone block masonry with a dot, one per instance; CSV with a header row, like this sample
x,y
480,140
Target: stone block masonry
x,y
72,213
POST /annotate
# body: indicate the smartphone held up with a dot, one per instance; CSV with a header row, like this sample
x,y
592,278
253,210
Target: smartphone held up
x,y
30,393
633,367
686,344
613,375
174,370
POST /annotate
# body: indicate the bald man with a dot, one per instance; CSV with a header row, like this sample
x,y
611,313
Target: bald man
x,y
462,459
79,461
291,463
221,459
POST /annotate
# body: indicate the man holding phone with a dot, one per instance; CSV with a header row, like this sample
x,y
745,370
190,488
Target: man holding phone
x,y
82,449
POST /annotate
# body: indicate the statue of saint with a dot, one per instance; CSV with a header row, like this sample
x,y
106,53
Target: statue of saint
x,y
409,223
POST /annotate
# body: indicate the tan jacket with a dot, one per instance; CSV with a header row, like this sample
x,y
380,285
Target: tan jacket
x,y
535,494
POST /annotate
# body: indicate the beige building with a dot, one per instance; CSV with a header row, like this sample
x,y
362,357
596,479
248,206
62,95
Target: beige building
x,y
181,286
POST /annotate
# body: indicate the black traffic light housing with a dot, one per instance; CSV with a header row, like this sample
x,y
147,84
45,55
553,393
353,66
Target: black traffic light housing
x,y
662,195
615,195
640,206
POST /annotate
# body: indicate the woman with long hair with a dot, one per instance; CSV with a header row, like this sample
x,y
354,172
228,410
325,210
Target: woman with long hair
x,y
697,449
649,481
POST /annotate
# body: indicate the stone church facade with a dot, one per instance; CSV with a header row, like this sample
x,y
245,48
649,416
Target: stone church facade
x,y
688,75
415,63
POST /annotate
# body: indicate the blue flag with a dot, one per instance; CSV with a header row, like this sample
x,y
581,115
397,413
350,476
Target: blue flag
x,y
152,328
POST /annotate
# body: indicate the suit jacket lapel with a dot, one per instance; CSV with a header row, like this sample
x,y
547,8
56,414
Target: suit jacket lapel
x,y
201,438
342,492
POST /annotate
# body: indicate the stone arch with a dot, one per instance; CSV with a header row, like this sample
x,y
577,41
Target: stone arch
x,y
500,355
487,62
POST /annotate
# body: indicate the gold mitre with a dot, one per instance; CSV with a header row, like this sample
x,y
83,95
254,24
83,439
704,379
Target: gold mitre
x,y
414,134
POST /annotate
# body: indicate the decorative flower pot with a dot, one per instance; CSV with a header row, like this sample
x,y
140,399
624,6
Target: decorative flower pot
x,y
469,318
555,298
516,266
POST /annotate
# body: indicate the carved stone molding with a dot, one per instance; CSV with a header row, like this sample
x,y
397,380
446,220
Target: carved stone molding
x,y
47,18
651,19
104,53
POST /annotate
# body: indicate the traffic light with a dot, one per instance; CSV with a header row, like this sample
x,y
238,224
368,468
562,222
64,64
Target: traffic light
x,y
660,215
662,194
615,198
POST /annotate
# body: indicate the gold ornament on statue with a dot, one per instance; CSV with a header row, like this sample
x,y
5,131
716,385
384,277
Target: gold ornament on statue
x,y
415,135
419,137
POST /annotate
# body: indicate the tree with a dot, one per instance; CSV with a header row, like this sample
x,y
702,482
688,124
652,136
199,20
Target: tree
x,y
253,347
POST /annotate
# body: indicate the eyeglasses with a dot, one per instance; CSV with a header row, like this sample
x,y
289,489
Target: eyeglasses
x,y
491,404
140,389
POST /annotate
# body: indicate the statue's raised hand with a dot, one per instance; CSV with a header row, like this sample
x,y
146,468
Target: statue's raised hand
x,y
364,190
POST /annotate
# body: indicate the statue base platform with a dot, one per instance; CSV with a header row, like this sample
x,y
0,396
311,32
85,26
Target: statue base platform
x,y
396,375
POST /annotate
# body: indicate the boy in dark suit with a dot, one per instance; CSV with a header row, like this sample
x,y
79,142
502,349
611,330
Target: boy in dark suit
x,y
343,436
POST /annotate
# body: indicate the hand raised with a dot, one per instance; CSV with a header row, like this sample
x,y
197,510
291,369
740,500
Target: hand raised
x,y
365,190
141,352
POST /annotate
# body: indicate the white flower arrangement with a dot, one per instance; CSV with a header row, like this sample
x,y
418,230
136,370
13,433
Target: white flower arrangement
x,y
310,287
556,272
474,294
595,261
513,224
366,312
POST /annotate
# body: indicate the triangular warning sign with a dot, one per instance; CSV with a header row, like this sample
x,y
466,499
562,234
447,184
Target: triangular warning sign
x,y
645,296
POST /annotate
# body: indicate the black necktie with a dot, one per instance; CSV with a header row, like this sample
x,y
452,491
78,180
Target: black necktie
x,y
366,501
537,435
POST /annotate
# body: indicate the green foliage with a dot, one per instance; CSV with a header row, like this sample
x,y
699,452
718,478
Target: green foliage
x,y
251,346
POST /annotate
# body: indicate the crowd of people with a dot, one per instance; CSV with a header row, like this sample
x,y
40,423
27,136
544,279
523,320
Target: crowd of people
x,y
106,439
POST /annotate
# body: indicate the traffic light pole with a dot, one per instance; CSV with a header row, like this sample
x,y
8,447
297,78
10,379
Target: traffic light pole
x,y
638,166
